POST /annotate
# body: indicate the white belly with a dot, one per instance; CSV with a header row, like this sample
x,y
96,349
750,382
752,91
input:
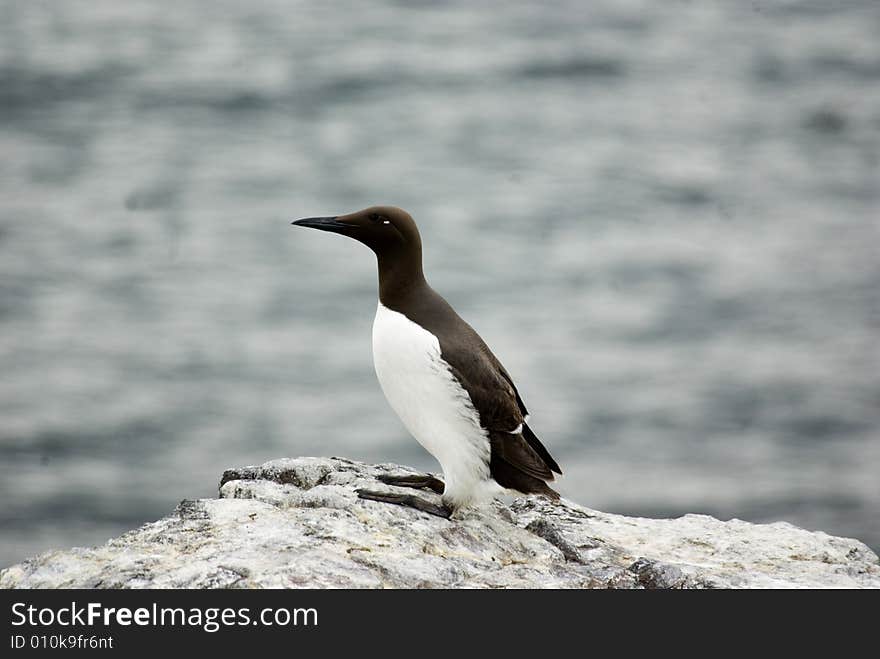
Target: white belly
x,y
433,406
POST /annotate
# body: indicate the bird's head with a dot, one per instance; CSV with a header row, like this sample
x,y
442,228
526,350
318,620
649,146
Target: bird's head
x,y
384,229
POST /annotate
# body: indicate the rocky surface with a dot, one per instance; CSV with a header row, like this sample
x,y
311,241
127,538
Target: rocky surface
x,y
298,523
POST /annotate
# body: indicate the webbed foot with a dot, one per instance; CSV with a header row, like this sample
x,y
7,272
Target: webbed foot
x,y
408,500
414,480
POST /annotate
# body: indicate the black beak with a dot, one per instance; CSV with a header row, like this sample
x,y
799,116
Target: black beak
x,y
324,224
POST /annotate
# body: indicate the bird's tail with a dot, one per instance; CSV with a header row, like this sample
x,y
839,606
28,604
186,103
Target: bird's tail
x,y
515,465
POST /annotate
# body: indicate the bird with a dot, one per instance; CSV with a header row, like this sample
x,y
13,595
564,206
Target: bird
x,y
441,379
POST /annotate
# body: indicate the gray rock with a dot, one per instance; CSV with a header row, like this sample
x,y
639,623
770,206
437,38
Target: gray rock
x,y
298,523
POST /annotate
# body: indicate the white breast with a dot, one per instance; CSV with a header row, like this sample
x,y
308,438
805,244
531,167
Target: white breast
x,y
433,406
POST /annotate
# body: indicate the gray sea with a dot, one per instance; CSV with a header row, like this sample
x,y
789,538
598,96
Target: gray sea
x,y
663,216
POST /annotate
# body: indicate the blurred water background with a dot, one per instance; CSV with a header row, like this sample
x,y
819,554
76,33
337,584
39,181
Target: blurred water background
x,y
662,216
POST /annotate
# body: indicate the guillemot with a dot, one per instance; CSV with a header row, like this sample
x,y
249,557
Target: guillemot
x,y
439,376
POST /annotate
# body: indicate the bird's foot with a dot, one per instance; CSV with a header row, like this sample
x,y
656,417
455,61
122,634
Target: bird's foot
x,y
409,500
414,480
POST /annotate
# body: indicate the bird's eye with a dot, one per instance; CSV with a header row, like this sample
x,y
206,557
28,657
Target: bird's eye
x,y
374,217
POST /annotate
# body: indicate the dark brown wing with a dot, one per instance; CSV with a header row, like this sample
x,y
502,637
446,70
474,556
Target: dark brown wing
x,y
502,413
539,448
514,450
518,459
527,433
491,394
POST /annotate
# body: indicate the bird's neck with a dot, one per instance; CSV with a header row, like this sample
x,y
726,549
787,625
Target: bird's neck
x,y
400,276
